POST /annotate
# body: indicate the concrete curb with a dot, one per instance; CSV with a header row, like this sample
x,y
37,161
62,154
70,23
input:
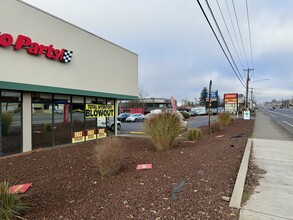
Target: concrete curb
x,y
236,198
137,132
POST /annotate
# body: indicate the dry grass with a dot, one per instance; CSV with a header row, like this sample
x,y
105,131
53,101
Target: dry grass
x,y
10,205
224,118
163,128
194,134
108,154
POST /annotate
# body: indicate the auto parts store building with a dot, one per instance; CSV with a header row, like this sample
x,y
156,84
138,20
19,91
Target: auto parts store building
x,y
59,84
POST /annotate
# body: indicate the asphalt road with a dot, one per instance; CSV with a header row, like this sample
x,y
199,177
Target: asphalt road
x,y
283,117
194,122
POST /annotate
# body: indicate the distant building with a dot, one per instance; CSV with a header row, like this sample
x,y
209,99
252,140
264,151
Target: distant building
x,y
148,104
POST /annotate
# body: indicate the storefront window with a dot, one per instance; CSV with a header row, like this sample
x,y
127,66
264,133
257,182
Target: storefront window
x,y
11,126
42,127
91,122
78,119
111,119
62,125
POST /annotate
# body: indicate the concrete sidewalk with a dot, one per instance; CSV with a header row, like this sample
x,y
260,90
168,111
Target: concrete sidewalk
x,y
272,152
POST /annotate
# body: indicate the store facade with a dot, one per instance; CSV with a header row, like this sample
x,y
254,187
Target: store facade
x,y
59,84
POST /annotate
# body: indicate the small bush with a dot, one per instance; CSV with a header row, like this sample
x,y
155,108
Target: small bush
x,y
194,134
6,122
215,127
48,127
108,154
225,118
163,128
185,115
10,205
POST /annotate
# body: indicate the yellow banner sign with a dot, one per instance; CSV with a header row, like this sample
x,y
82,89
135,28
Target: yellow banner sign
x,y
99,111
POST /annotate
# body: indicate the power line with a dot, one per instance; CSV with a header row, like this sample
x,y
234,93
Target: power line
x,y
229,34
251,53
219,29
219,41
239,32
232,23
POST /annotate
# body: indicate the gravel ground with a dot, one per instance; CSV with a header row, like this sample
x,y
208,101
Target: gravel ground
x,y
186,182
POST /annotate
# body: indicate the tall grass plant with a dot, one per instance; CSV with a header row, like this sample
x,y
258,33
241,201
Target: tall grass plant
x,y
163,128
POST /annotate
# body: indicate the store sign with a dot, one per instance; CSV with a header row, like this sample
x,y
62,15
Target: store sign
x,y
34,48
99,111
246,115
91,135
102,133
78,137
231,102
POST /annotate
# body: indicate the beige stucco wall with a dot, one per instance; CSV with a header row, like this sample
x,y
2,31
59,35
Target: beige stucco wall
x,y
97,65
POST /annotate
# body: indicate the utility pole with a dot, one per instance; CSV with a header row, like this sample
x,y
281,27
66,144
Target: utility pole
x,y
251,98
247,86
209,109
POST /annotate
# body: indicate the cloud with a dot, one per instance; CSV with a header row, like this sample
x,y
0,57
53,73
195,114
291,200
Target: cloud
x,y
178,54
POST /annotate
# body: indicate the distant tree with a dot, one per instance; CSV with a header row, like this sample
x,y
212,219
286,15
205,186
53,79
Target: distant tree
x,y
220,101
137,103
202,99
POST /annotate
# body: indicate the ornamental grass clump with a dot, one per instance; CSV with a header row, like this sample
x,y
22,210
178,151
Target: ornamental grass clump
x,y
109,156
11,206
225,118
215,127
163,128
6,122
194,134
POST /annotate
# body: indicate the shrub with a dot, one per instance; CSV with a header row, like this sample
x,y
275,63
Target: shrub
x,y
108,154
10,205
215,127
194,134
6,122
185,115
48,127
225,118
163,128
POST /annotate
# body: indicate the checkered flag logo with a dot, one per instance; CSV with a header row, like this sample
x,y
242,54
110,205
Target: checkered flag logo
x,y
67,56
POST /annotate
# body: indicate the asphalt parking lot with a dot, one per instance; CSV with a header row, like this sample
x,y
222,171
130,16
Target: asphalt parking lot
x,y
137,127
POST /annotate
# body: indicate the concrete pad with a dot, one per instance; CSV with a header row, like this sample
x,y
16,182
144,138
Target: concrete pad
x,y
272,198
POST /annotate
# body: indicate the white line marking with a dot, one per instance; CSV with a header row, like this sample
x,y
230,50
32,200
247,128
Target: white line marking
x,y
289,116
288,123
273,115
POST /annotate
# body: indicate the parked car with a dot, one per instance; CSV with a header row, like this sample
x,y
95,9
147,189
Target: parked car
x,y
110,125
135,117
183,123
192,113
123,116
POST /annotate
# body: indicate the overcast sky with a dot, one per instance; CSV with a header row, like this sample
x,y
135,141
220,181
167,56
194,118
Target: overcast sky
x,y
178,53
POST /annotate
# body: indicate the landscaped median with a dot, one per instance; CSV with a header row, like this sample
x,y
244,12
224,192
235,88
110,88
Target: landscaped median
x,y
192,180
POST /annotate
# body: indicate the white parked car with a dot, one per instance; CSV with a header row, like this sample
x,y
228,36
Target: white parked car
x,y
183,123
110,123
135,117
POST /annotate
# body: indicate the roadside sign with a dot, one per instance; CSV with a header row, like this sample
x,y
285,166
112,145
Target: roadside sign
x,y
246,115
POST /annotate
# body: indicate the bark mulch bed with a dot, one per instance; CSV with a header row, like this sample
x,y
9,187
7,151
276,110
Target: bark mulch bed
x,y
67,184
